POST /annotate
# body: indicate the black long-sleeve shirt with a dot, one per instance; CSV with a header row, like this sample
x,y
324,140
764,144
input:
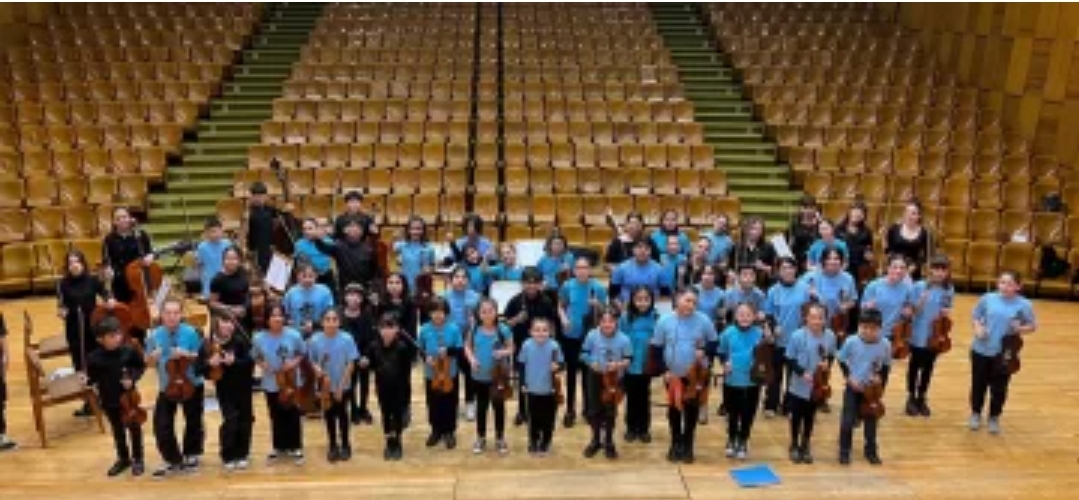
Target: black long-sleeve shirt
x,y
858,242
391,363
120,251
235,378
107,368
362,329
357,261
539,306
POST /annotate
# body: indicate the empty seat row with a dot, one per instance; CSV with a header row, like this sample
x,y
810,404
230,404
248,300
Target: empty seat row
x,y
79,91
847,115
929,164
82,137
115,72
47,191
598,132
104,113
217,54
89,162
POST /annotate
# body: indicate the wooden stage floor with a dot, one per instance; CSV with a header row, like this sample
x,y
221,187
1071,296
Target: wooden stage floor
x,y
935,458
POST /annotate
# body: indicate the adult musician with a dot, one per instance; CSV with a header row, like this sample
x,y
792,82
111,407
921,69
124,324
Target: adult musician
x,y
79,291
683,337
996,315
260,226
753,250
854,231
124,245
803,227
910,239
230,289
621,247
175,340
579,298
522,309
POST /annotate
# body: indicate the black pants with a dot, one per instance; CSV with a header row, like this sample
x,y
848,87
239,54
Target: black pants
x,y
920,371
465,379
286,429
336,419
542,408
522,405
638,403
779,382
120,435
3,405
264,256
165,427
683,424
741,411
803,413
361,378
237,420
593,390
327,278
988,373
483,400
571,348
392,403
442,409
851,403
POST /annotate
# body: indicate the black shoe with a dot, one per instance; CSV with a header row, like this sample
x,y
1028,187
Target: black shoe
x,y
610,451
333,455
451,441
687,455
912,407
844,459
387,454
118,468
591,450
644,437
923,408
366,417
138,468
825,407
532,448
433,439
873,458
568,419
83,412
519,420
630,436
795,454
345,453
722,411
398,449
168,470
544,448
807,457
406,419
674,454
357,419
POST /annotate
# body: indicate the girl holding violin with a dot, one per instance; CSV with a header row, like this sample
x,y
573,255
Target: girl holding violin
x,y
79,291
833,287
783,304
174,349
741,393
556,260
356,319
230,366
441,344
230,289
462,302
123,245
278,349
997,316
892,295
639,323
488,345
113,370
579,299
934,301
607,352
334,355
810,350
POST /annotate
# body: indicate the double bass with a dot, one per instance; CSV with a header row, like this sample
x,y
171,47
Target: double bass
x,y
286,227
872,405
613,394
822,377
132,414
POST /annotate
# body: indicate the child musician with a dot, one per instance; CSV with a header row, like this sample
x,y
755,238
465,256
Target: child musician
x,y
390,358
934,300
673,263
441,340
522,309
356,319
784,306
174,341
541,358
233,393
508,269
892,295
398,301
556,259
639,323
280,349
5,362
741,392
488,344
809,347
414,253
261,217
710,302
996,316
640,270
605,350
306,301
863,358
579,298
720,250
112,370
462,302
826,238
210,251
668,228
307,251
333,353
682,338
744,289
79,291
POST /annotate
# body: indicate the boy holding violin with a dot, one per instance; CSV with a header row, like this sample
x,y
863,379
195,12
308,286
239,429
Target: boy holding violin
x,y
865,360
113,370
174,348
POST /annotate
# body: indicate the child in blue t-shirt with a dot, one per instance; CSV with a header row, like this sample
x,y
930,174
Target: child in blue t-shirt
x,y
542,359
488,345
333,354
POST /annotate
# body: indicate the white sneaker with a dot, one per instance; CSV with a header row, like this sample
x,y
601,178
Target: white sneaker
x,y
242,464
230,466
743,451
191,462
6,444
470,412
502,447
730,449
994,425
275,454
297,456
769,414
975,421
479,446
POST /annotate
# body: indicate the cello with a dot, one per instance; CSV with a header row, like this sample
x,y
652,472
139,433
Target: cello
x,y
144,281
872,406
119,310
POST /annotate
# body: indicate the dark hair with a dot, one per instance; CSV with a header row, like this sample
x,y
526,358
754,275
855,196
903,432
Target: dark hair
x,y
829,251
275,305
354,288
870,317
404,286
423,234
808,201
1018,278
857,205
389,319
531,274
74,252
939,261
818,306
611,311
106,326
482,302
438,304
895,256
635,216
632,313
473,220
459,270
232,249
303,265
353,195
212,222
258,187
787,260
555,235
331,310
669,211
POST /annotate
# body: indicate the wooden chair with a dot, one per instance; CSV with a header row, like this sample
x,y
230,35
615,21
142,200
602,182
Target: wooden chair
x,y
46,392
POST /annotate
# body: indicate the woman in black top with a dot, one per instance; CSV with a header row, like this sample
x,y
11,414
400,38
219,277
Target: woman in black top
x,y
125,244
621,247
854,231
356,319
753,250
231,288
79,291
909,239
803,229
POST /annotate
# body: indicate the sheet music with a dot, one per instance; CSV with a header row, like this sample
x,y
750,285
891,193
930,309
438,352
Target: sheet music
x,y
279,273
503,291
442,252
529,252
779,243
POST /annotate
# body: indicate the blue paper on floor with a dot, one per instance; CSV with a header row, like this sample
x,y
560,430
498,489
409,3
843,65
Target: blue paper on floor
x,y
755,476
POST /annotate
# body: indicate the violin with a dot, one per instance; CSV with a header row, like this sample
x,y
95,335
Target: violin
x,y
325,385
699,375
676,393
872,397
179,388
822,376
940,339
501,388
763,371
216,372
866,272
425,290
840,321
1011,345
286,381
257,296
132,414
441,381
613,394
305,398
556,382
901,333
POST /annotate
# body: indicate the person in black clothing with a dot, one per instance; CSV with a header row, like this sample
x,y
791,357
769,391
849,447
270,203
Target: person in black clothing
x,y
521,310
6,443
354,211
858,236
803,228
79,291
234,392
261,217
390,358
124,245
753,251
620,248
230,289
909,239
112,370
357,258
397,300
356,320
